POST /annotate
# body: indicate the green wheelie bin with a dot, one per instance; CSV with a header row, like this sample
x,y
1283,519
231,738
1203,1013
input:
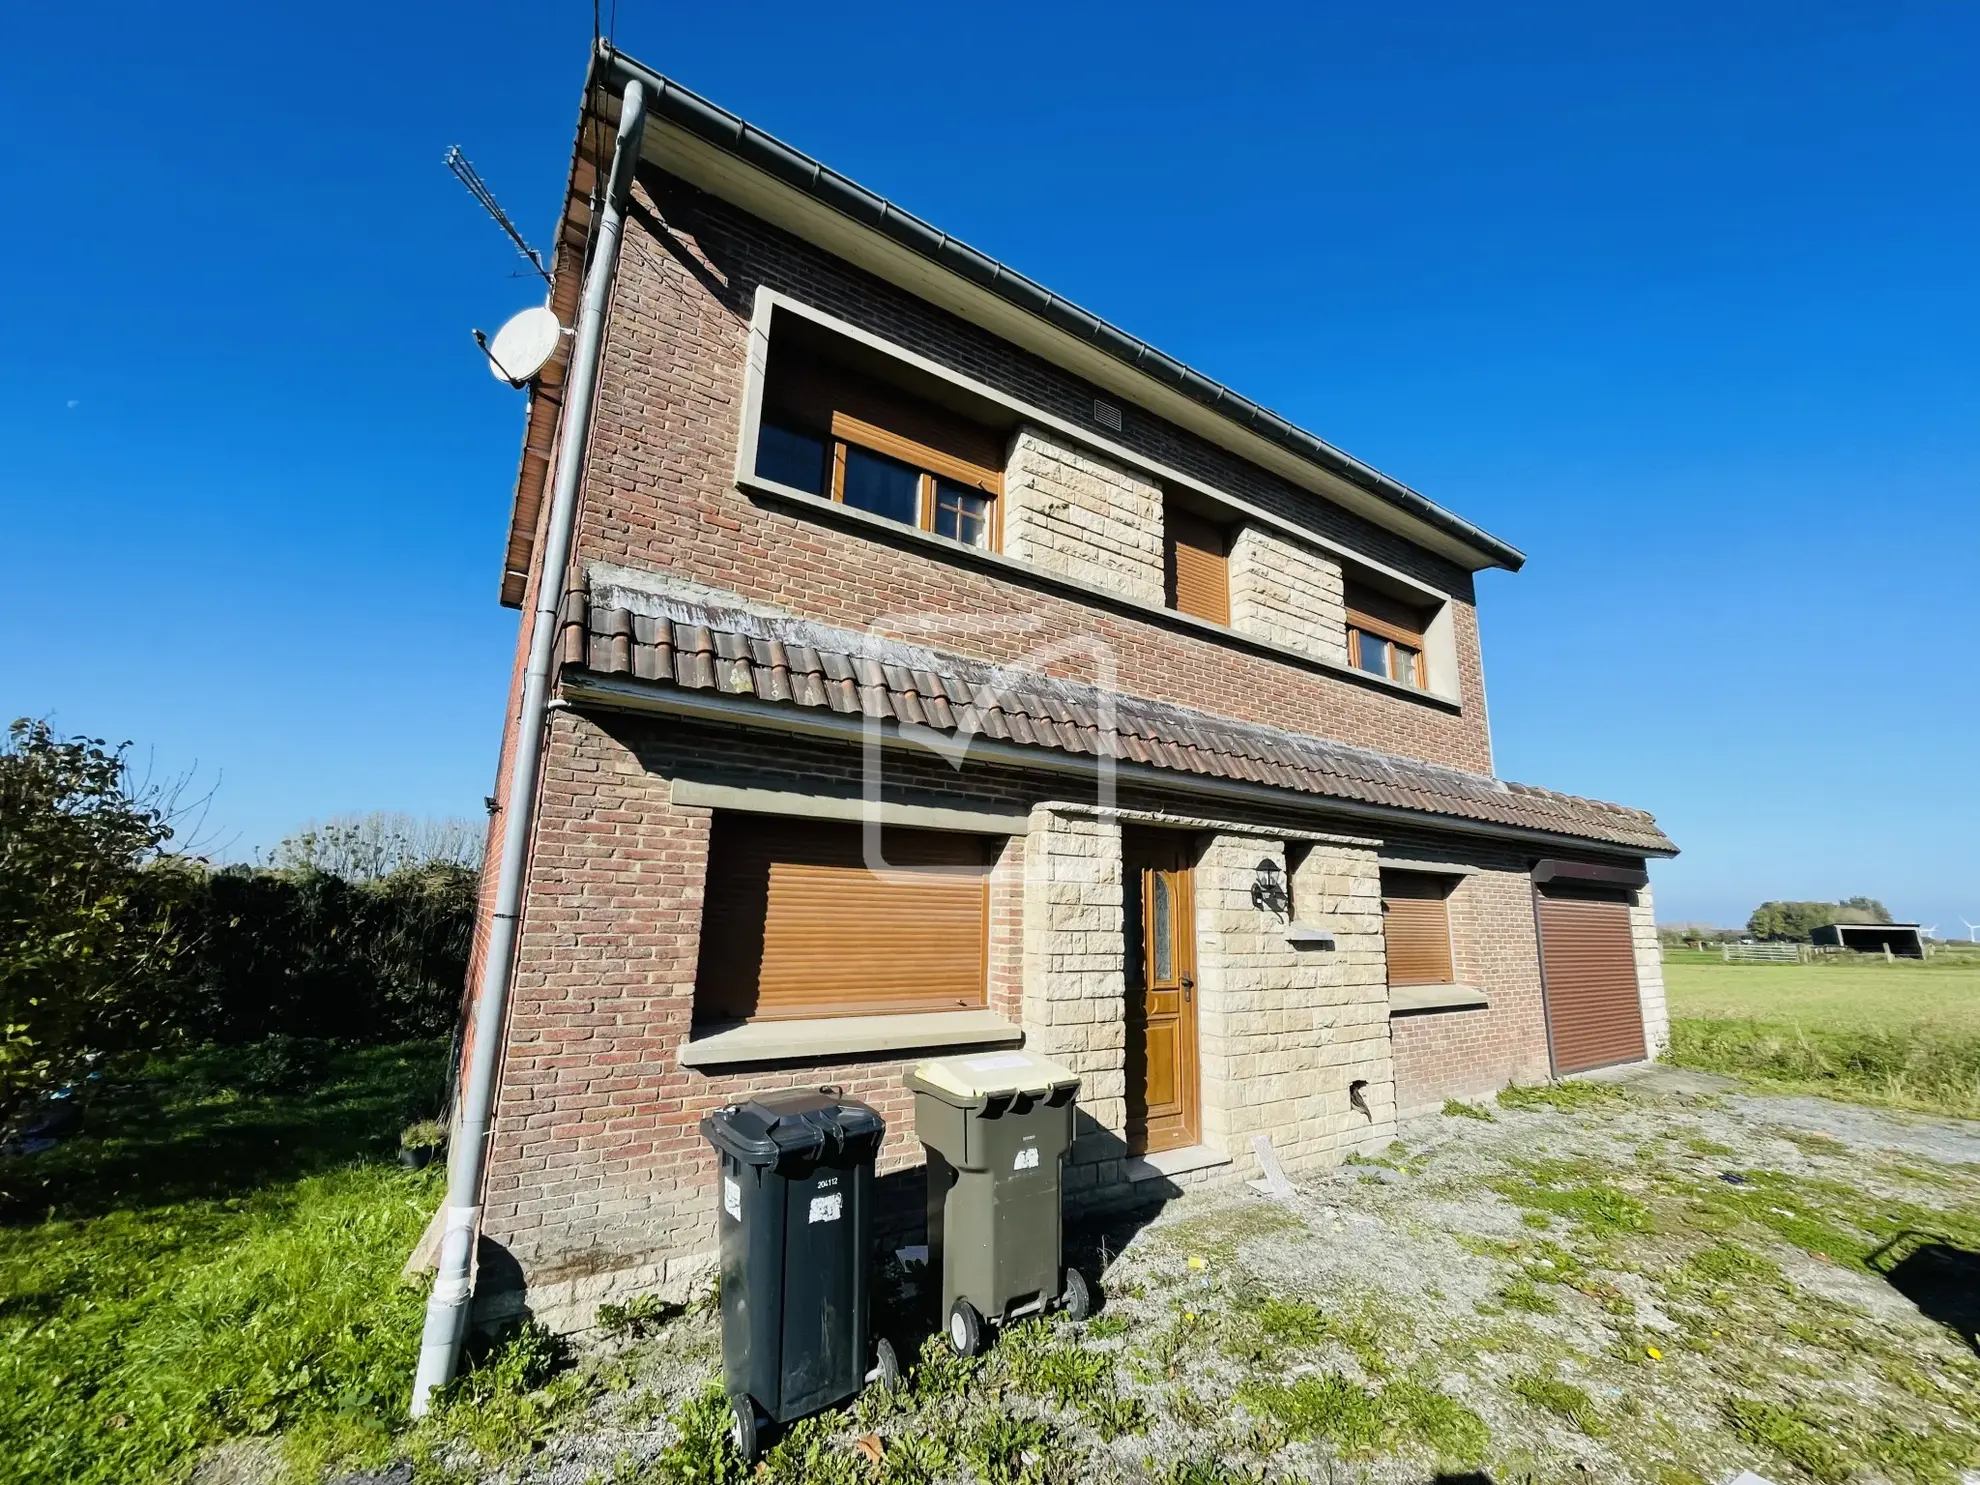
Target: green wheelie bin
x,y
996,1127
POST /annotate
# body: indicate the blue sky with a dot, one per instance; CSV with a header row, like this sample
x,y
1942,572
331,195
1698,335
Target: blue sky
x,y
1682,299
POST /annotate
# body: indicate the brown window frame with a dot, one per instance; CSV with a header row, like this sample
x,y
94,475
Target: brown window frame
x,y
1173,518
1398,639
930,464
1414,886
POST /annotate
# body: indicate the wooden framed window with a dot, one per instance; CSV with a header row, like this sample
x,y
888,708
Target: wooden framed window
x,y
835,433
1416,923
1196,563
794,922
1385,635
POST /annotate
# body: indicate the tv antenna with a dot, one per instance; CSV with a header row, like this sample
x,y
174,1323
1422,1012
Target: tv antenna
x,y
466,174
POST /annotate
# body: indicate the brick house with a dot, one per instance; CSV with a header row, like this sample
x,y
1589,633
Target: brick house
x,y
937,667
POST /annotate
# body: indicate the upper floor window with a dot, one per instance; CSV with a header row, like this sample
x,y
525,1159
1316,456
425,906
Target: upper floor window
x,y
1385,635
831,431
1196,565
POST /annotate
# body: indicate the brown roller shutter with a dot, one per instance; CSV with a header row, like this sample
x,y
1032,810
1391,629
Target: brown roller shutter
x,y
794,923
1417,925
1376,612
1594,1014
1198,569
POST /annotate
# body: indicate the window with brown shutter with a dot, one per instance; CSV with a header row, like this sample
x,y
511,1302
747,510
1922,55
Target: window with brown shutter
x,y
832,431
1416,922
795,922
1385,634
1198,571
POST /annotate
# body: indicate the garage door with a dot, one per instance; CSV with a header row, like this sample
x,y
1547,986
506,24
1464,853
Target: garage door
x,y
1594,1015
796,923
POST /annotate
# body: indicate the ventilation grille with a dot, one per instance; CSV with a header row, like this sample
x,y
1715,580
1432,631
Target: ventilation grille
x,y
1106,415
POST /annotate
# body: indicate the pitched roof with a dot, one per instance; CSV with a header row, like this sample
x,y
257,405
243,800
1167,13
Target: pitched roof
x,y
670,641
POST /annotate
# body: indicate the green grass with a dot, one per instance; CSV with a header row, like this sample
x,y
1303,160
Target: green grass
x,y
1904,1035
1943,993
205,1264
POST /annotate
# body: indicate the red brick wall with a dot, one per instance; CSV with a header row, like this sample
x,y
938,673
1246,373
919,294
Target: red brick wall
x,y
660,491
1471,1053
597,1161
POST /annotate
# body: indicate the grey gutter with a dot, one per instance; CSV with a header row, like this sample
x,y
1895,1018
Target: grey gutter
x,y
608,693
724,130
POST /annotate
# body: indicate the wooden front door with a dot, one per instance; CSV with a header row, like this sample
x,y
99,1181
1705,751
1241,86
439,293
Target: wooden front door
x,y
1163,1084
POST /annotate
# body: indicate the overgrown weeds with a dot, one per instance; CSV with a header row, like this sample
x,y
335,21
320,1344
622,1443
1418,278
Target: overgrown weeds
x,y
1933,1069
1569,1097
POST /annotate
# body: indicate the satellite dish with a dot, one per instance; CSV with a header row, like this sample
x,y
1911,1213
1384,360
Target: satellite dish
x,y
523,346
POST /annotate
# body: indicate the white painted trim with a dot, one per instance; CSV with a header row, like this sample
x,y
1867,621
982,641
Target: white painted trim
x,y
828,1037
1435,998
702,795
1430,868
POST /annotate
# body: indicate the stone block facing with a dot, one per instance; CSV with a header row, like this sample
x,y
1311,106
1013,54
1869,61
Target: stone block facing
x,y
1072,512
1650,973
1288,594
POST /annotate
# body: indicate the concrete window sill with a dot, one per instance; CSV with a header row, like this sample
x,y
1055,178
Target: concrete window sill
x,y
843,1036
1174,1162
1406,998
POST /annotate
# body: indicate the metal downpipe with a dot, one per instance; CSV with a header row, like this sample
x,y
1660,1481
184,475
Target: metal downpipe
x,y
447,1307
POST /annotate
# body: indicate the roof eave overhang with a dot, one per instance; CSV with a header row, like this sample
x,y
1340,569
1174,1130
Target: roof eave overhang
x,y
587,689
719,153
716,151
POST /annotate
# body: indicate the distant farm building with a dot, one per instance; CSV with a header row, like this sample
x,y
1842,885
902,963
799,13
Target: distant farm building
x,y
1871,938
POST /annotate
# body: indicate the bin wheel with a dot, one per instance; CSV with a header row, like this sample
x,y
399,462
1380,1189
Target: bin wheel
x,y
965,1328
742,1427
1077,1296
887,1370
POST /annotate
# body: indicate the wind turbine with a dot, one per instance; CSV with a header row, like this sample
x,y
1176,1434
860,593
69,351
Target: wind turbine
x,y
1972,932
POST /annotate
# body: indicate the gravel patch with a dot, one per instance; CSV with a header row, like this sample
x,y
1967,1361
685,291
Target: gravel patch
x,y
1650,1282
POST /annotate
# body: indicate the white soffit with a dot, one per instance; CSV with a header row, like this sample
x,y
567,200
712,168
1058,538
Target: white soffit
x,y
722,175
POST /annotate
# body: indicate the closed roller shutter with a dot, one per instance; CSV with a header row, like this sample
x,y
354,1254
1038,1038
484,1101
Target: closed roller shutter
x,y
1417,926
794,923
1199,571
1594,1014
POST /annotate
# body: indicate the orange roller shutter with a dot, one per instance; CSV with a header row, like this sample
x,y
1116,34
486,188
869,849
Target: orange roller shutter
x,y
1199,569
1594,1013
795,923
1416,923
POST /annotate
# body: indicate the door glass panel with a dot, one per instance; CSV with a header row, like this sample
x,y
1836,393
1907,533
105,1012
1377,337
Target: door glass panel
x,y
1163,932
884,486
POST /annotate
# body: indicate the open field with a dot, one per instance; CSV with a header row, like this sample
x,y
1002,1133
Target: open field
x,y
1942,993
1906,1035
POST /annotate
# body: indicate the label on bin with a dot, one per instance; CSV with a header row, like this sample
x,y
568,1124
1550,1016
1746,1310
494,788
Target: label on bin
x,y
732,1197
827,1208
1027,1159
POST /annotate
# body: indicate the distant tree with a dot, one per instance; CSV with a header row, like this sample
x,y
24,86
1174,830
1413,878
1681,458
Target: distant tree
x,y
1793,921
80,943
1862,910
363,848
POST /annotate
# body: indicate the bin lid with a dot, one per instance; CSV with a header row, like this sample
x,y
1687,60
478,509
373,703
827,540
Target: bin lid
x,y
987,1074
802,1122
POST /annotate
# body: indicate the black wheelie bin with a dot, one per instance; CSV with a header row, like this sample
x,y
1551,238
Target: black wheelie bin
x,y
996,1127
795,1194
